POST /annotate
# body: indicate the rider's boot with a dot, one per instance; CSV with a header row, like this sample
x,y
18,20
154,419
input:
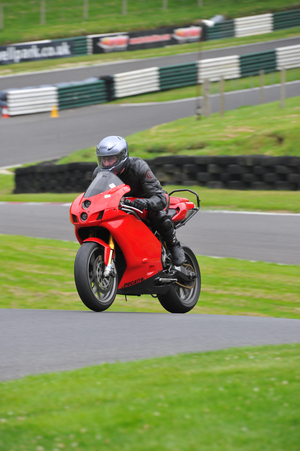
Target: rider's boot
x,y
176,251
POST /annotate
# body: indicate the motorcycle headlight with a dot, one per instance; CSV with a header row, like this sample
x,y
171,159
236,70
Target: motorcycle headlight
x,y
86,204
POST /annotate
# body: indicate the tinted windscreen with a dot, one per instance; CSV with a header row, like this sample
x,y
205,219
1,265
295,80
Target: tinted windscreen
x,y
103,182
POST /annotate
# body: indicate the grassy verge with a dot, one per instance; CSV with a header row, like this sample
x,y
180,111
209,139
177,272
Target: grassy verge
x,y
38,273
237,399
265,129
106,58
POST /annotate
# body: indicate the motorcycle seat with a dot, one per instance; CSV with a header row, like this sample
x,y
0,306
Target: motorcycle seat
x,y
179,208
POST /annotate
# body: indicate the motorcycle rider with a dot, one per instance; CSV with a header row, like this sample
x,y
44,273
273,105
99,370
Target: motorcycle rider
x,y
112,155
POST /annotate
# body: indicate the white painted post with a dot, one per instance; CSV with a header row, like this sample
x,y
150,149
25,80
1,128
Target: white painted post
x,y
200,3
165,4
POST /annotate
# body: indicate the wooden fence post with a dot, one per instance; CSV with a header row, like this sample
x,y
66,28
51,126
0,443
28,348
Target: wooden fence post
x,y
43,12
124,7
206,99
282,88
86,9
222,89
261,82
1,17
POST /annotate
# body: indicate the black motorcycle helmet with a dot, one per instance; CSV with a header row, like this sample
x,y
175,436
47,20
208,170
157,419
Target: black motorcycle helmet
x,y
112,154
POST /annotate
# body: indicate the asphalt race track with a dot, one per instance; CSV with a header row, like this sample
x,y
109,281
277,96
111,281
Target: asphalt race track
x,y
39,341
250,236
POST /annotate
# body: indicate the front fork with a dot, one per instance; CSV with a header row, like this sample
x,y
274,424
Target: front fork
x,y
109,268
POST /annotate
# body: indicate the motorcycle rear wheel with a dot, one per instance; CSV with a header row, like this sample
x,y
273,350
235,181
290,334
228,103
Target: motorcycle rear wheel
x,y
96,291
180,299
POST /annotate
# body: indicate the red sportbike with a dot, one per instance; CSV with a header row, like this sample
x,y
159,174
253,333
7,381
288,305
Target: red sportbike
x,y
120,254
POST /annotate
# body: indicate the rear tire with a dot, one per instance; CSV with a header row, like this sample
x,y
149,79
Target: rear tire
x,y
180,299
96,291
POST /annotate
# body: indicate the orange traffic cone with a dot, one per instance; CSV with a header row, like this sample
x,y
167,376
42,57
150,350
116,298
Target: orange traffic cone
x,y
5,112
54,112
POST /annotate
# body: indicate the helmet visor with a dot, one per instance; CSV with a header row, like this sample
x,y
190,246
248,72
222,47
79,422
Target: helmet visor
x,y
108,162
112,162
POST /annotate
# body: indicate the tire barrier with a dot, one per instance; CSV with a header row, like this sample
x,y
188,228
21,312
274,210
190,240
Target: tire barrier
x,y
52,178
246,172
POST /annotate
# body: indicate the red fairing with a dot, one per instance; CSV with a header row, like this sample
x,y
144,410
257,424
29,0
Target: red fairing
x,y
141,249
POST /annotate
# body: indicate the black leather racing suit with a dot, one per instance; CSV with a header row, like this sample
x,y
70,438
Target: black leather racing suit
x,y
143,183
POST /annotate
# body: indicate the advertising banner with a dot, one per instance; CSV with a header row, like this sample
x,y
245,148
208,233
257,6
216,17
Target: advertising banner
x,y
35,51
161,37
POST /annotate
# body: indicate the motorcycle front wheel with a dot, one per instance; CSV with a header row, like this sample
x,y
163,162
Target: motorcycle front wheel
x,y
183,296
96,291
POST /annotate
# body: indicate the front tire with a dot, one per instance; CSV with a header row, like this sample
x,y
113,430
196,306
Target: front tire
x,y
96,291
182,297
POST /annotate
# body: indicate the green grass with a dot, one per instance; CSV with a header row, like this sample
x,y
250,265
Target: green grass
x,y
265,129
22,20
238,399
38,273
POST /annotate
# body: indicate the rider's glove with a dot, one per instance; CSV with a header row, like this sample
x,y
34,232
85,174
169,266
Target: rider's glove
x,y
140,204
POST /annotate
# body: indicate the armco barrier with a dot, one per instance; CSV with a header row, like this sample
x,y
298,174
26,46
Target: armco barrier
x,y
82,93
249,26
80,46
34,100
177,76
136,82
286,19
288,57
213,69
251,64
251,172
220,30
